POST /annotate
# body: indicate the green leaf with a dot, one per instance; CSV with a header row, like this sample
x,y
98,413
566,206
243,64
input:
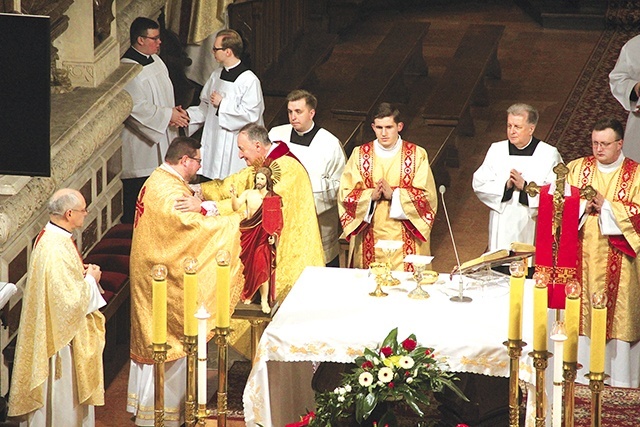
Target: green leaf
x,y
389,418
364,407
411,402
391,340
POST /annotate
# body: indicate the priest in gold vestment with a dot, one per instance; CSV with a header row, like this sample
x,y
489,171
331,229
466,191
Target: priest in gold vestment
x,y
610,241
58,374
387,192
300,244
165,234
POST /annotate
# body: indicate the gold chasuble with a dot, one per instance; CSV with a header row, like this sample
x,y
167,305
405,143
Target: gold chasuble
x,y
610,262
164,235
54,305
409,172
299,244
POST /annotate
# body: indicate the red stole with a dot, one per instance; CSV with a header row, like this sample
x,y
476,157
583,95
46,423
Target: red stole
x,y
566,262
280,150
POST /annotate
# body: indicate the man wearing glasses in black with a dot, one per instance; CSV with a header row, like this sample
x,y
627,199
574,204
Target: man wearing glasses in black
x,y
231,98
154,118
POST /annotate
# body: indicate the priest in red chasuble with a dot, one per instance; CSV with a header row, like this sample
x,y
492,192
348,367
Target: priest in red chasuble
x,y
609,244
387,192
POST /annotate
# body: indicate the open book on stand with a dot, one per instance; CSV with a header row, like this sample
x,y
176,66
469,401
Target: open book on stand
x,y
517,251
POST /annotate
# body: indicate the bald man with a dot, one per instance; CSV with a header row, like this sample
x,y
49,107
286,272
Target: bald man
x,y
58,373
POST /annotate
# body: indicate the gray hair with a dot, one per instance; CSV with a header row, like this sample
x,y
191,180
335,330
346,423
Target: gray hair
x,y
520,110
255,132
62,201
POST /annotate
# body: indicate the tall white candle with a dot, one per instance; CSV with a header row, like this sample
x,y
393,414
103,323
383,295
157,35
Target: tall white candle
x,y
202,315
558,336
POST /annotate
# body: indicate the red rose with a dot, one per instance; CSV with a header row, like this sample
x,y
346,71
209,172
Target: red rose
x,y
409,344
386,351
367,365
462,425
428,351
391,384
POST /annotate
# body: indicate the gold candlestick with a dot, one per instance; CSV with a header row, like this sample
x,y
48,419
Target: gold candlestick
x,y
596,385
569,375
190,343
540,362
203,413
222,341
514,348
159,357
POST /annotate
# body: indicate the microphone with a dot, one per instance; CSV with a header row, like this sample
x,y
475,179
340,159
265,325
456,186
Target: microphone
x,y
442,190
459,297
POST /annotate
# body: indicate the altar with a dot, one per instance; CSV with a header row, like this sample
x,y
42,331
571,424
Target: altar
x,y
329,316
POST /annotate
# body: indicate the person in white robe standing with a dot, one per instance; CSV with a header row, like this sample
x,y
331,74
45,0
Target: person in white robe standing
x,y
58,373
323,157
154,118
507,168
231,98
624,81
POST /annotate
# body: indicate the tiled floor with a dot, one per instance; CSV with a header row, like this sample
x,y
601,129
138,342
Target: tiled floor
x,y
539,66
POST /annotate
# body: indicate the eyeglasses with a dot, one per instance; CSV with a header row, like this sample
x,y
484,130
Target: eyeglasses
x,y
597,144
80,210
196,159
215,49
156,38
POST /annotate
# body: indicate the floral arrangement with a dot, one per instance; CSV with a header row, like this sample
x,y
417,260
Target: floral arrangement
x,y
395,371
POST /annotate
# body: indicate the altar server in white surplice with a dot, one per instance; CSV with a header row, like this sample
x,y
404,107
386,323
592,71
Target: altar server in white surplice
x,y
154,118
230,99
508,166
57,375
624,80
323,157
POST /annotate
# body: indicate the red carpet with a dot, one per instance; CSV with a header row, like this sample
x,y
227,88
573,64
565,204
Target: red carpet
x,y
620,407
590,99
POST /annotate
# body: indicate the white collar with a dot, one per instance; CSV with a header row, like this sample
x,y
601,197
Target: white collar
x,y
233,66
167,167
143,54
56,229
306,131
387,152
611,166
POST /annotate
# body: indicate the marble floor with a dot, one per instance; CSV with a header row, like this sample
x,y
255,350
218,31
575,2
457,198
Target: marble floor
x,y
539,67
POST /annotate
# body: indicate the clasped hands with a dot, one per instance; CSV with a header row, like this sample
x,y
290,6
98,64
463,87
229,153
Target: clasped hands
x,y
93,271
594,206
516,180
179,117
382,190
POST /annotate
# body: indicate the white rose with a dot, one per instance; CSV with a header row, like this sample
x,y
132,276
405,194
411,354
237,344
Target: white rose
x,y
406,362
347,388
409,380
365,379
340,398
385,375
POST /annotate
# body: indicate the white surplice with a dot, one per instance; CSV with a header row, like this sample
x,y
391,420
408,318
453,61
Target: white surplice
x,y
242,103
147,135
510,221
324,160
622,79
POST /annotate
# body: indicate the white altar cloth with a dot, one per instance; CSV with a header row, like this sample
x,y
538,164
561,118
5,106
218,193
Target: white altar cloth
x,y
329,316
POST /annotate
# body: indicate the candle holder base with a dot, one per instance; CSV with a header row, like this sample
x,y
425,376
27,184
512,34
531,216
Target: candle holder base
x,y
222,341
514,349
540,363
596,385
569,374
190,343
460,298
159,358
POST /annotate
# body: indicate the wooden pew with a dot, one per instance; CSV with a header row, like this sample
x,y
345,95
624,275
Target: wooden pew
x,y
296,68
400,52
463,82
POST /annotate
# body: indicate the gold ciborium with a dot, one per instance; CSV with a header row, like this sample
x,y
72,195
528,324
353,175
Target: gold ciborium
x,y
421,274
388,248
379,270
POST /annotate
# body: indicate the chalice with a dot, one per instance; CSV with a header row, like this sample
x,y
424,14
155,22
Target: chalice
x,y
388,248
421,274
379,270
